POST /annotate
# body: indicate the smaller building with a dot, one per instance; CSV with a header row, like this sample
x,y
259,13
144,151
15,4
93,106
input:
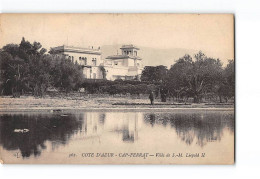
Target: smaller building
x,y
89,58
126,66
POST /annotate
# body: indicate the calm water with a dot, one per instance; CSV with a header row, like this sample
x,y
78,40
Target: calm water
x,y
74,137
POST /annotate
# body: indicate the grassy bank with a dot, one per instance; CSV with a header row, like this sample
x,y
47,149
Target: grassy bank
x,y
48,103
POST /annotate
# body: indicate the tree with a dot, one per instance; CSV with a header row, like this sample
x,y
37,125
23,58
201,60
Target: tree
x,y
27,68
194,78
157,75
39,79
65,74
154,74
13,74
178,77
23,67
52,51
229,73
226,88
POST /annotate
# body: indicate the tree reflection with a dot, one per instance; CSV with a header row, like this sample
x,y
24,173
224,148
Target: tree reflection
x,y
150,119
42,127
194,127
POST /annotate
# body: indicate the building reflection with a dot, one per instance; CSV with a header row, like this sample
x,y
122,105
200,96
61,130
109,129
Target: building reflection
x,y
130,130
126,124
92,125
96,124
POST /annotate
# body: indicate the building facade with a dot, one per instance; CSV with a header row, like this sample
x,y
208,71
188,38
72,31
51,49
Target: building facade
x,y
126,66
89,58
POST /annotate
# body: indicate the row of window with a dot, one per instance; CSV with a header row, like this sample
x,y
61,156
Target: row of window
x,y
84,59
130,52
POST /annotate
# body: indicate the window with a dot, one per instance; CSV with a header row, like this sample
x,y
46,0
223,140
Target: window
x,y
85,61
94,61
94,75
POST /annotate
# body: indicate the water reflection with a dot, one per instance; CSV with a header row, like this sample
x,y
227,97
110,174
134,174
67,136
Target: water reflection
x,y
55,128
125,124
124,128
202,127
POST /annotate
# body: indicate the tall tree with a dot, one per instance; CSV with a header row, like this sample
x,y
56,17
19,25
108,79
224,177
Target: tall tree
x,y
194,78
226,88
157,75
27,68
66,75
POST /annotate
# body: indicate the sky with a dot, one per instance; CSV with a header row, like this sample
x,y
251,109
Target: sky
x,y
211,33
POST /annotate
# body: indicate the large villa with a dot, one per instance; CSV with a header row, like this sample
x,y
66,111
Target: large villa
x,y
125,66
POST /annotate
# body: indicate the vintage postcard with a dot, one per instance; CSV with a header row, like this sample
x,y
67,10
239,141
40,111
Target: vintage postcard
x,y
117,89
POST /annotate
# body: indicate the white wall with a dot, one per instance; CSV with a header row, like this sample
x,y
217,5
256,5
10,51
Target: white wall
x,y
131,62
115,71
122,69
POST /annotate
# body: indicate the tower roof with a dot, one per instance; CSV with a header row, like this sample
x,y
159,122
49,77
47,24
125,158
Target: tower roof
x,y
129,46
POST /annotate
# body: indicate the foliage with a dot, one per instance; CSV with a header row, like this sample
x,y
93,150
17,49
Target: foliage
x,y
27,68
226,89
117,87
195,78
154,74
67,76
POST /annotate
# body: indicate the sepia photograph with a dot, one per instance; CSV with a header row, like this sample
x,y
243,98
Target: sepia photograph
x,y
117,88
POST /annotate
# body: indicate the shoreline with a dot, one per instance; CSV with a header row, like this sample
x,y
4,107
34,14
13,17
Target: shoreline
x,y
106,109
31,104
